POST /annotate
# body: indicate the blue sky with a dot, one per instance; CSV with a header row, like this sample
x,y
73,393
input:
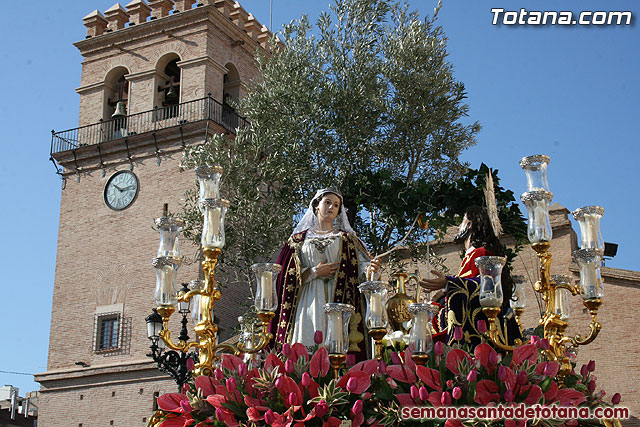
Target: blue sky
x,y
569,92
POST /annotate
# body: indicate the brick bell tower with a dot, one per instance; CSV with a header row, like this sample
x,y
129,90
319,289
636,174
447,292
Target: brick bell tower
x,y
156,76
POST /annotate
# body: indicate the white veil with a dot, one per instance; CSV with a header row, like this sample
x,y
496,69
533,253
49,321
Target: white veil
x,y
309,220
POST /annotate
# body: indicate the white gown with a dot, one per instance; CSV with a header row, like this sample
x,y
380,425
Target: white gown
x,y
316,292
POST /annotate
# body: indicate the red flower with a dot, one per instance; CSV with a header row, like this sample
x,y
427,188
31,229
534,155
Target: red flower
x,y
368,366
456,358
486,355
297,351
570,397
524,352
437,349
486,391
170,402
429,376
591,366
532,394
616,398
273,362
481,325
317,337
231,362
552,392
356,382
319,365
473,374
401,373
457,333
288,366
456,393
321,409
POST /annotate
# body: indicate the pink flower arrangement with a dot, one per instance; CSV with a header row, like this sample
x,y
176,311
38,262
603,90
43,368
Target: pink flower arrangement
x,y
296,388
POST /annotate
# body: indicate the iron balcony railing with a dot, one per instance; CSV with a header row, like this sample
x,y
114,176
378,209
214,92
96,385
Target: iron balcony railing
x,y
148,121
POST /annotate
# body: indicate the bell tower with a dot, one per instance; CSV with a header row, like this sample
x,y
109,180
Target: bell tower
x,y
156,76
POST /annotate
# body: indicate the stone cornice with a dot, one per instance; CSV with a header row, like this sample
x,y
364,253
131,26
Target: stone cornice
x,y
66,373
141,75
90,88
203,59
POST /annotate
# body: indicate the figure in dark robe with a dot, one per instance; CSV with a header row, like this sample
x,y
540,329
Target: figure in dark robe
x,y
461,306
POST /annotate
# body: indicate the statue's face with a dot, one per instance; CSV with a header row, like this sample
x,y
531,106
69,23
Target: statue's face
x,y
328,208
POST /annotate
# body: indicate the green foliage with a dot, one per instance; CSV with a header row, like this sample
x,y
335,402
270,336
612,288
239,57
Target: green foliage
x,y
366,102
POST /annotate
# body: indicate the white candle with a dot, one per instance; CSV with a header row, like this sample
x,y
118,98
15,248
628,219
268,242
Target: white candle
x,y
215,221
266,284
589,282
376,304
589,239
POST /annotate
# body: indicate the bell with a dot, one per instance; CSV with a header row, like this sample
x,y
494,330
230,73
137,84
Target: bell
x,y
121,110
171,96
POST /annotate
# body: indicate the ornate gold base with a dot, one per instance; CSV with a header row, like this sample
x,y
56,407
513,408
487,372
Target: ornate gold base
x,y
377,334
337,360
420,358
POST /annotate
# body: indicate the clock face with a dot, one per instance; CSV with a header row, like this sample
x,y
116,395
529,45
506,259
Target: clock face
x,y
121,190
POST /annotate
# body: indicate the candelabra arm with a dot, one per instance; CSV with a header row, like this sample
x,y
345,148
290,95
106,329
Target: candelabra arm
x,y
594,327
165,335
493,335
571,288
234,349
544,261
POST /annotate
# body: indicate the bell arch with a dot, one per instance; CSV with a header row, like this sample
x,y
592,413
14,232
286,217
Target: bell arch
x,y
116,91
167,96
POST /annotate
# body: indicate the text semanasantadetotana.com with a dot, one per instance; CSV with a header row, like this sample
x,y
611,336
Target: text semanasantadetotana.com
x,y
519,412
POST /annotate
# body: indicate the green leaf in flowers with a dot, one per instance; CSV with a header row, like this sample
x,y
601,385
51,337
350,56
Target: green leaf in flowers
x,y
382,389
570,381
544,385
332,394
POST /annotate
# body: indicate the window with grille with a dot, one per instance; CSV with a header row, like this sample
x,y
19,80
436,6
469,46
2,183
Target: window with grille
x,y
108,328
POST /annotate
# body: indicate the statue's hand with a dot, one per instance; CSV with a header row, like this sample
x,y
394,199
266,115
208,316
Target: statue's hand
x,y
435,283
324,269
373,267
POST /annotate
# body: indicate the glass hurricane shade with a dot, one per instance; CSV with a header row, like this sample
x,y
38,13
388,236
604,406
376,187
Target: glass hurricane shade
x,y
420,341
197,312
266,295
562,296
538,226
535,168
154,325
337,327
588,261
209,181
166,292
214,211
589,218
375,293
490,268
169,229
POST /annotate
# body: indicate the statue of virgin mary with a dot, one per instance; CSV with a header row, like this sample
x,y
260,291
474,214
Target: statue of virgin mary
x,y
323,261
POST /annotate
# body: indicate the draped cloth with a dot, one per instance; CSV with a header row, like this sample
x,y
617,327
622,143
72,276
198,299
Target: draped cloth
x,y
344,287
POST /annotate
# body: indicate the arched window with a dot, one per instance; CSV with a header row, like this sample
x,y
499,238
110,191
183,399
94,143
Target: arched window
x,y
116,91
116,101
230,96
169,89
